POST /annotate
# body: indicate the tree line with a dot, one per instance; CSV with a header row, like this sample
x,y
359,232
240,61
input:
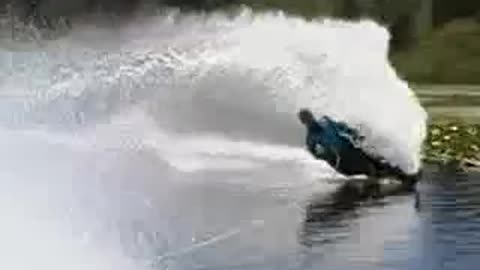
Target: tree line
x,y
406,19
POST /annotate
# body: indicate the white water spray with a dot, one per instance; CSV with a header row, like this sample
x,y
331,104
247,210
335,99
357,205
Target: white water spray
x,y
100,113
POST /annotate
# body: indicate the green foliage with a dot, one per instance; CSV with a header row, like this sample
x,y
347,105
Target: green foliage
x,y
200,4
452,142
451,55
448,10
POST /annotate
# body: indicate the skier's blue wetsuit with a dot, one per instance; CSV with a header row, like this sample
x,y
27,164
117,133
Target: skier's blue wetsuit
x,y
336,143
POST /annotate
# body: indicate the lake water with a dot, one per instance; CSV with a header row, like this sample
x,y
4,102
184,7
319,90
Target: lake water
x,y
436,227
171,143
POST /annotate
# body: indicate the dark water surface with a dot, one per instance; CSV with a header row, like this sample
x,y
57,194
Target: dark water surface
x,y
172,143
436,227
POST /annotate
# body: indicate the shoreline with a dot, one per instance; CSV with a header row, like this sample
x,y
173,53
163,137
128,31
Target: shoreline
x,y
453,143
453,128
466,165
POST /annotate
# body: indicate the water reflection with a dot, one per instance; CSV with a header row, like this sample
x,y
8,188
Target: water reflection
x,y
449,207
436,227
